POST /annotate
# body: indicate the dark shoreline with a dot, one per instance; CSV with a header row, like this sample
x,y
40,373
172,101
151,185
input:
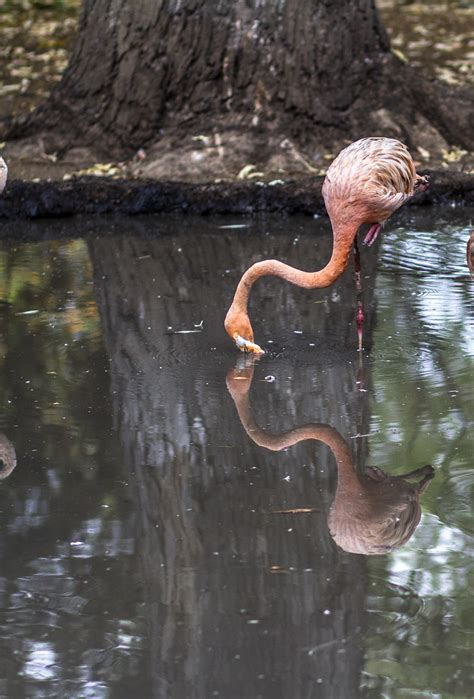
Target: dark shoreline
x,y
102,195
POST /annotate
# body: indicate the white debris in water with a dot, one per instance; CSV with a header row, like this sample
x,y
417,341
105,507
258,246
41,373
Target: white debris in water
x,y
287,478
269,378
236,225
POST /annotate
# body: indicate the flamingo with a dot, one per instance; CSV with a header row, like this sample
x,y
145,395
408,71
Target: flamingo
x,y
3,174
366,183
372,512
7,457
470,253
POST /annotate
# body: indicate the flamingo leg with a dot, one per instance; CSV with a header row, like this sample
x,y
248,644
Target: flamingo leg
x,y
360,310
372,234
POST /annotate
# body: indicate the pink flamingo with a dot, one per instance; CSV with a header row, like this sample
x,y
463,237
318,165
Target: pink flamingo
x,y
470,253
366,183
3,174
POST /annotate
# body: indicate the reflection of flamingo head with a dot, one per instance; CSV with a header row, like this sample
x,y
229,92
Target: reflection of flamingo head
x,y
239,378
7,457
3,174
376,513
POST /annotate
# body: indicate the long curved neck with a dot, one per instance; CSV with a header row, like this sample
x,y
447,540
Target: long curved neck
x,y
343,238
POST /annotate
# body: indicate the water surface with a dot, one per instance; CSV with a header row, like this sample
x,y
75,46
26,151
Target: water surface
x,y
159,537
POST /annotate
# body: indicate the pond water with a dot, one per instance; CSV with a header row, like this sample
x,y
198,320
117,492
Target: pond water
x,y
184,523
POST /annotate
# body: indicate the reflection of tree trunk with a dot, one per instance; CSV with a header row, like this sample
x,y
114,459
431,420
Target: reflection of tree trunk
x,y
206,534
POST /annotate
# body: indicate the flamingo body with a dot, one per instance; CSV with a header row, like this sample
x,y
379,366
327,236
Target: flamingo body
x,y
373,176
366,183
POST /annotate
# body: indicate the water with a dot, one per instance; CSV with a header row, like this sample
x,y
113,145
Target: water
x,y
161,538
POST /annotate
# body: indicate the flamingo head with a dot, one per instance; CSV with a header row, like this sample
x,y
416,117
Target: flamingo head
x,y
239,329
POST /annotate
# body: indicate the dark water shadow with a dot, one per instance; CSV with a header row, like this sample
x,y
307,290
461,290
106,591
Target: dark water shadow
x,y
223,575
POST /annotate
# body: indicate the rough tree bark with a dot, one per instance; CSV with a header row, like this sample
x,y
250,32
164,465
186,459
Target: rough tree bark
x,y
268,81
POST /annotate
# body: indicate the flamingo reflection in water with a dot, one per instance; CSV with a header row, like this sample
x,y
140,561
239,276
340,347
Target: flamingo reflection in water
x,y
3,174
372,512
7,457
470,253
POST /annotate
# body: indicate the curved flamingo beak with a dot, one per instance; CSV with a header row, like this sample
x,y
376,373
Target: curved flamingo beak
x,y
247,346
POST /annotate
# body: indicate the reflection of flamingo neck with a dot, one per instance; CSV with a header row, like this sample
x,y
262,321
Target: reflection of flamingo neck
x,y
370,514
321,432
343,237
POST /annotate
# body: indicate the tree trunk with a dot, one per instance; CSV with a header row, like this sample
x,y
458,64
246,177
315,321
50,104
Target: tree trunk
x,y
246,80
137,65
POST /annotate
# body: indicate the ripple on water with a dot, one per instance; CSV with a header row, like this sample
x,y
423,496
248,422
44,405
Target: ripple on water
x,y
432,254
415,614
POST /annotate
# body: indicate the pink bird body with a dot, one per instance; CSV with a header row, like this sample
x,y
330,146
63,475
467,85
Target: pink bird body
x,y
366,183
3,174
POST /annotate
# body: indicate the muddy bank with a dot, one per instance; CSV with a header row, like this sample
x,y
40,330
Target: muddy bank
x,y
101,195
